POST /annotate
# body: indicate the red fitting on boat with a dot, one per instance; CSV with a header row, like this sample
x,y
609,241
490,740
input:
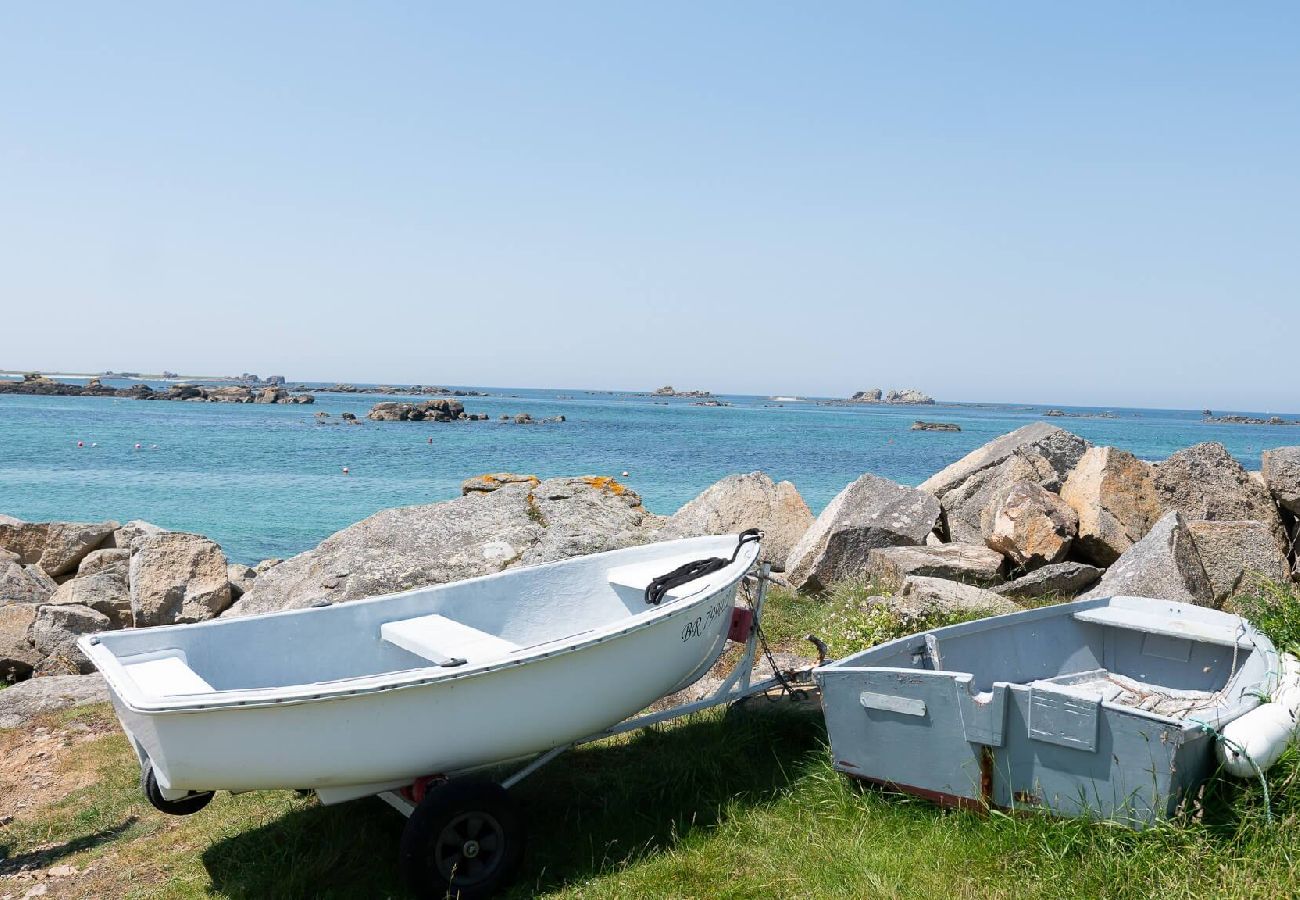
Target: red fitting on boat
x,y
742,624
416,790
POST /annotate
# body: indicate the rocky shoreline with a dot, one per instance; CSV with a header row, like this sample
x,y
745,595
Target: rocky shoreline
x,y
33,383
1038,512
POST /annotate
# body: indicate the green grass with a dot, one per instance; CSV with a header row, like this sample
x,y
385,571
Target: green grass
x,y
738,803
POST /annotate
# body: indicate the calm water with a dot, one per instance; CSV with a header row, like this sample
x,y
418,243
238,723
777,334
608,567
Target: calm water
x,y
266,480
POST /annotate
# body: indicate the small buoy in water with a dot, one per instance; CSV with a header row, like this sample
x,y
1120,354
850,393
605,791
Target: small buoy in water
x,y
624,475
345,470
430,440
94,443
153,446
137,446
81,443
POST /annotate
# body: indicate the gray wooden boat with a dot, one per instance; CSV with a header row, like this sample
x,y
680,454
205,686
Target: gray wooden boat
x,y
1094,708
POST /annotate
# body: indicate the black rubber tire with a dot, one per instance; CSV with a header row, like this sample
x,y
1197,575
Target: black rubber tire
x,y
186,806
456,817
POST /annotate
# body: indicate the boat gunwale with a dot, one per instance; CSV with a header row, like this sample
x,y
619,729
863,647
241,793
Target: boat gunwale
x,y
1225,711
133,699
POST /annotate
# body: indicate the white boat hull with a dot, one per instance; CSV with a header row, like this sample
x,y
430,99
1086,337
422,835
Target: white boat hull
x,y
352,745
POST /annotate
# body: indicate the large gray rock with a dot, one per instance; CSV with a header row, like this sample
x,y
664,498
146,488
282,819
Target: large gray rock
x,y
969,563
1238,555
1280,470
115,560
130,535
1165,564
746,501
17,655
871,512
23,702
57,547
177,578
1029,525
477,534
1205,482
104,591
1114,495
1064,579
1038,452
23,584
55,631
241,579
927,597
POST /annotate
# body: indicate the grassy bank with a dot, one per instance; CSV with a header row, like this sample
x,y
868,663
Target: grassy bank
x,y
726,804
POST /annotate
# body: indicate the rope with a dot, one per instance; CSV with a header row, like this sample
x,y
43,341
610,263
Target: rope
x,y
684,574
1233,745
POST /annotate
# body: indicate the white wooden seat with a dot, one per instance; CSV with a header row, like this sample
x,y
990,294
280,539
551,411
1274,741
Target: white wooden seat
x,y
167,676
638,576
442,640
1224,634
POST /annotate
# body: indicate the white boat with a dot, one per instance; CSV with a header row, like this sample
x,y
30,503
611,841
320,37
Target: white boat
x,y
368,696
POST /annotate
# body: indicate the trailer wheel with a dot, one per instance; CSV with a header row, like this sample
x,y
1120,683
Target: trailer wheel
x,y
185,806
464,840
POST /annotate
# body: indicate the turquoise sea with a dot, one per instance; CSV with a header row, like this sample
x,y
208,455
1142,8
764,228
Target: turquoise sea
x,y
266,480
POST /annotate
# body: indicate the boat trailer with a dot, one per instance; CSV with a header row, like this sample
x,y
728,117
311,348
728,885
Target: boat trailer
x,y
464,836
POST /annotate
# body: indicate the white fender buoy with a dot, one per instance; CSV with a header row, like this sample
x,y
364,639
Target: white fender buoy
x,y
1253,743
345,470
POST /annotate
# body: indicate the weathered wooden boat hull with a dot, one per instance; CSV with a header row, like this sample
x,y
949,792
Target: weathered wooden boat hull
x,y
1013,711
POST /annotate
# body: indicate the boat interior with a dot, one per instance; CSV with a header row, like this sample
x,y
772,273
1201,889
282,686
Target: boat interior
x,y
1166,659
444,629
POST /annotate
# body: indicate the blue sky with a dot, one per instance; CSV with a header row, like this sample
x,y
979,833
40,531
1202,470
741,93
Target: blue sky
x,y
1087,203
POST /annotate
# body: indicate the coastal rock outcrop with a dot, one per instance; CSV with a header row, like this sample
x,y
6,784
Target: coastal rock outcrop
x,y
1038,452
909,396
54,634
745,501
918,425
105,592
57,547
1237,555
1164,564
442,410
871,512
23,702
131,535
969,563
667,391
17,655
476,534
1114,494
241,579
1029,525
904,397
116,560
920,596
490,481
176,578
22,584
1064,579
1205,482
1280,470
